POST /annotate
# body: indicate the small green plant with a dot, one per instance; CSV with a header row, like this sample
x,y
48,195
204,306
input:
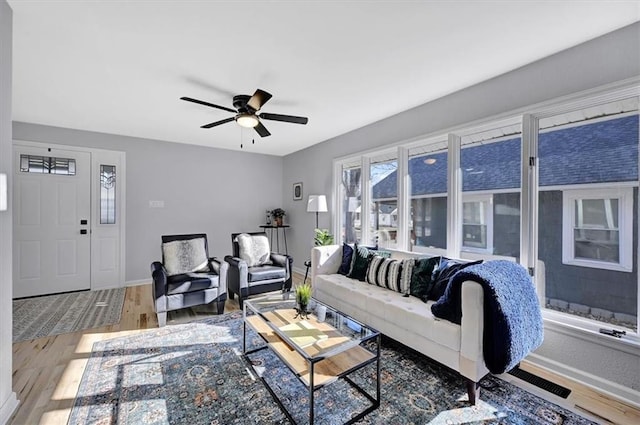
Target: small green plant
x,y
303,294
323,237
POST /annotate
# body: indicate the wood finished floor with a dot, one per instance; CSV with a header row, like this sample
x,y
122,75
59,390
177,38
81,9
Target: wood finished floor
x,y
47,371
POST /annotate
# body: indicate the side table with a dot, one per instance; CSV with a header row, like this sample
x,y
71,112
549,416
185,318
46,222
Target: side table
x,y
273,228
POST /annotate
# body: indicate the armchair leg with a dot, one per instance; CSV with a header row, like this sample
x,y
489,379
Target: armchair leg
x,y
162,319
241,301
220,306
231,294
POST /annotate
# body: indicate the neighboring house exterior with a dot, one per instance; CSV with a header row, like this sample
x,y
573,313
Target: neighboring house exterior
x,y
587,216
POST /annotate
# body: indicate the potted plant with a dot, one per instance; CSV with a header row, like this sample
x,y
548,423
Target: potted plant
x,y
303,296
323,237
278,214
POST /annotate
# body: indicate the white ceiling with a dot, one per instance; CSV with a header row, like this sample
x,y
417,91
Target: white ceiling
x,y
120,67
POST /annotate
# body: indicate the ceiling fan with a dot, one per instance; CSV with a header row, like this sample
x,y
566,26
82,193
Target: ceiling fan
x,y
246,108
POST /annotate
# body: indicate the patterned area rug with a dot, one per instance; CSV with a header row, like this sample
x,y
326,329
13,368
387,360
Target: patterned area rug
x,y
64,313
194,374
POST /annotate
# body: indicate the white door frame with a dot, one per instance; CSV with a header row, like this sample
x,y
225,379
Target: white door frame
x,y
121,196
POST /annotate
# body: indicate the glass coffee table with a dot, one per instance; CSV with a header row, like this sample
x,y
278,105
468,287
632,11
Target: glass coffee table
x,y
317,352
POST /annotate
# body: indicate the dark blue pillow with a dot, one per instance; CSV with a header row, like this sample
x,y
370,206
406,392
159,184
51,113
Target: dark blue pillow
x,y
441,275
347,254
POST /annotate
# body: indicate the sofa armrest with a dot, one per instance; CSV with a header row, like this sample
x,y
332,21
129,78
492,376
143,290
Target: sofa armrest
x,y
472,363
222,269
325,260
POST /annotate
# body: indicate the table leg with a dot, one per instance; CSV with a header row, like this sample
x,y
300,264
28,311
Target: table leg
x,y
311,392
284,233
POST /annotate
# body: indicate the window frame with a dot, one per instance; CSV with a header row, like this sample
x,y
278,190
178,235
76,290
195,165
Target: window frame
x,y
624,195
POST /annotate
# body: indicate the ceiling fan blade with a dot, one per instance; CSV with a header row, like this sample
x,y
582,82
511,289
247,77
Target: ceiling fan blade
x,y
259,98
261,130
201,102
284,118
213,124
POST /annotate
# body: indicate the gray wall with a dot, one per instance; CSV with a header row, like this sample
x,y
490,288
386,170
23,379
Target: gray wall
x,y
7,397
612,57
205,190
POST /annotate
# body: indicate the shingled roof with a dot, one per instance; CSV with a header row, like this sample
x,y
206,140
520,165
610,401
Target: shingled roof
x,y
605,151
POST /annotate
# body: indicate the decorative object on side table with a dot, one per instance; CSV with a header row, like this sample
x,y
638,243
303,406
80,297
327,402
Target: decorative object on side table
x,y
303,295
278,215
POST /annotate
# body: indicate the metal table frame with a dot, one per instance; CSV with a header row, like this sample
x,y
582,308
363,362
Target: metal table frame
x,y
375,401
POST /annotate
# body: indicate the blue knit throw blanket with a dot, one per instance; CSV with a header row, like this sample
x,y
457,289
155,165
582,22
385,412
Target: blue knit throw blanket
x,y
512,319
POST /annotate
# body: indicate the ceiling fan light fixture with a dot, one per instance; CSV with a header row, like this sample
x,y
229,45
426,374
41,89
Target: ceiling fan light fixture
x,y
247,120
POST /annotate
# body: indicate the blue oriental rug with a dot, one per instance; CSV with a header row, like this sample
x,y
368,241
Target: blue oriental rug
x,y
195,374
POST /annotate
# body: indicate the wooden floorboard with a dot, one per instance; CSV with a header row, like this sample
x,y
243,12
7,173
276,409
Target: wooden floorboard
x,y
47,371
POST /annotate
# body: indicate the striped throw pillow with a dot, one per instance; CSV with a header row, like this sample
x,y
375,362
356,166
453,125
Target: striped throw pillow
x,y
386,273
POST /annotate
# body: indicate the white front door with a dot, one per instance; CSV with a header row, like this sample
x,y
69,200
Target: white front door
x,y
52,221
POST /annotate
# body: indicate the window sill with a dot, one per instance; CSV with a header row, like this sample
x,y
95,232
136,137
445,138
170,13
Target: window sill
x,y
588,330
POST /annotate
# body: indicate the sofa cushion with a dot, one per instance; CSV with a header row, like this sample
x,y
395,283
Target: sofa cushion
x,y
386,273
254,249
442,273
368,302
421,276
189,282
360,262
259,273
185,256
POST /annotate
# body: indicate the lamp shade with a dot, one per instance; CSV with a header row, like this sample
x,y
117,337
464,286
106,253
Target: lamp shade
x,y
317,203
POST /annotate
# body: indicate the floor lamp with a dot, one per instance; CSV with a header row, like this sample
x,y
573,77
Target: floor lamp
x,y
317,204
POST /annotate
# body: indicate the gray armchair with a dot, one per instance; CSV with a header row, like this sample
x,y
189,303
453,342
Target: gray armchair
x,y
187,276
248,278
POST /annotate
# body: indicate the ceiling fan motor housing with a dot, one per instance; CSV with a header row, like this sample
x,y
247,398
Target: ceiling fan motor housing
x,y
240,103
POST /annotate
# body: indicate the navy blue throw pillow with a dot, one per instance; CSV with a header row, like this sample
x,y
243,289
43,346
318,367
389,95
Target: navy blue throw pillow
x,y
347,254
441,275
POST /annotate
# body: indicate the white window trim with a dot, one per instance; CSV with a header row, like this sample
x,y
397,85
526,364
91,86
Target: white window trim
x,y
487,202
625,227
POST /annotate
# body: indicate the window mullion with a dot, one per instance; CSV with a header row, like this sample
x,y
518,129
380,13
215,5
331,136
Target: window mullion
x,y
365,205
529,197
402,236
454,197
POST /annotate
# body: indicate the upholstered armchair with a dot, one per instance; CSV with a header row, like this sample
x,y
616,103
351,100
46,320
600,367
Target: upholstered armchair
x,y
187,276
254,269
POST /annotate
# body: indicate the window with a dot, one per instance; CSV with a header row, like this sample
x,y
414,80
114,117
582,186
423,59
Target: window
x,y
477,223
428,197
490,162
587,214
351,189
598,228
47,165
107,194
383,183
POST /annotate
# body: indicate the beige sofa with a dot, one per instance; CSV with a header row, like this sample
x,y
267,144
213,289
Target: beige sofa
x,y
406,319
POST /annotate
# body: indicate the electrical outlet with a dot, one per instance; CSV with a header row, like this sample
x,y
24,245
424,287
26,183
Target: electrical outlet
x,y
156,204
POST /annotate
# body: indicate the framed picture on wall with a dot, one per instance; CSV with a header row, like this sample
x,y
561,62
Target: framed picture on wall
x,y
297,191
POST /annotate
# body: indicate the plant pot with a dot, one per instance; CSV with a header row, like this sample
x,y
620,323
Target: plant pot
x,y
278,221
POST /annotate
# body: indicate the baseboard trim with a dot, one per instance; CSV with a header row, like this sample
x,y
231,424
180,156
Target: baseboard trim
x,y
6,410
612,389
